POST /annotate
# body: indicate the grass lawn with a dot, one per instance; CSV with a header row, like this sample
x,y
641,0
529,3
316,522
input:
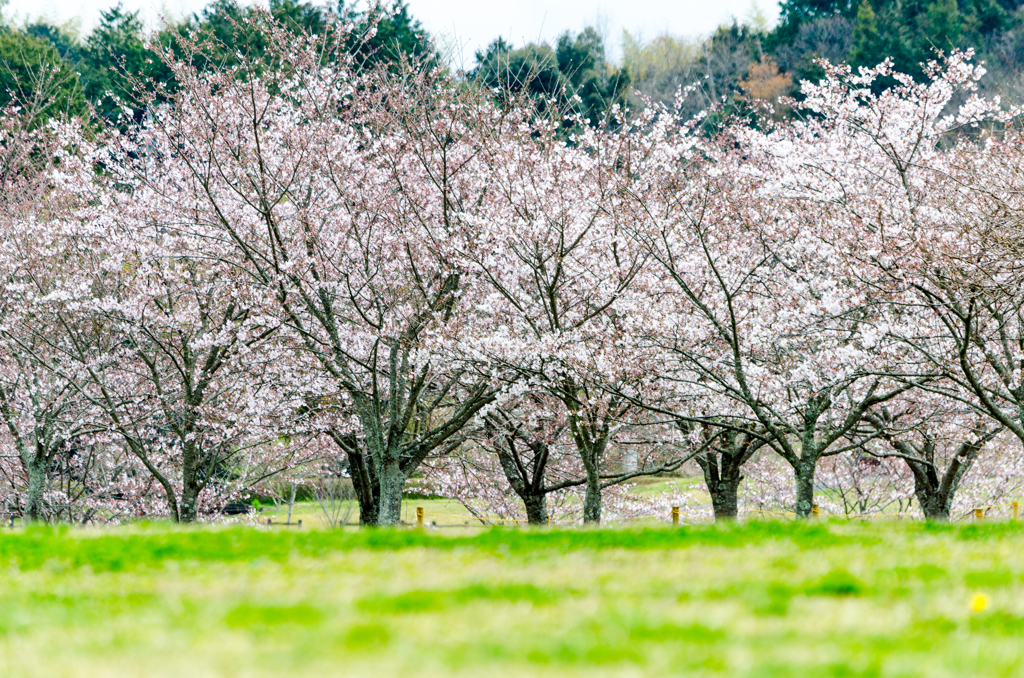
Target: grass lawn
x,y
755,599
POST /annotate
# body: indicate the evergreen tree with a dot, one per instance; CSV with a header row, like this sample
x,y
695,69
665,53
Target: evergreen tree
x,y
532,69
583,63
65,44
940,26
32,73
866,42
112,56
577,66
397,35
795,13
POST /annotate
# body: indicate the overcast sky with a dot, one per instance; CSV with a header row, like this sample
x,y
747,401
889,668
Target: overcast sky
x,y
466,25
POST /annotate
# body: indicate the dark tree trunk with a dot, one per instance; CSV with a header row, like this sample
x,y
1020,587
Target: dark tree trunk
x,y
35,512
936,493
188,507
364,482
592,497
934,506
729,448
805,469
378,488
391,481
189,510
525,475
722,475
536,509
935,500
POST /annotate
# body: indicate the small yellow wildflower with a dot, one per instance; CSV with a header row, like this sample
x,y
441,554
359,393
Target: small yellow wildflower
x,y
979,602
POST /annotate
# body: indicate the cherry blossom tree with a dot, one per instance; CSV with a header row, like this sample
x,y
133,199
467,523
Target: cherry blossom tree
x,y
552,251
184,380
916,188
43,414
294,248
758,313
939,443
336,195
728,447
530,446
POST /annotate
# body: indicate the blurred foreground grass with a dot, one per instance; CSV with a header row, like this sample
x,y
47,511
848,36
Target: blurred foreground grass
x,y
755,599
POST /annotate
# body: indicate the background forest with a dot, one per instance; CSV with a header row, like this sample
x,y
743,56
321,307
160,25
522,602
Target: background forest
x,y
744,61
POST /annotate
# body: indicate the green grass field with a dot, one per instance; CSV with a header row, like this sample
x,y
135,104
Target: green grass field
x,y
755,599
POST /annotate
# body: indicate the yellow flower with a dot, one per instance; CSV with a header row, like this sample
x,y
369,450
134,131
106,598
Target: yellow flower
x,y
979,602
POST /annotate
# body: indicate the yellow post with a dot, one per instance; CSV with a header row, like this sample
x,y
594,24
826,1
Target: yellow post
x,y
1016,511
675,515
979,514
419,516
815,511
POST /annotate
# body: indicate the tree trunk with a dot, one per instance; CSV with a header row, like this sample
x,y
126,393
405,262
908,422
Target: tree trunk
x,y
188,512
805,487
933,505
724,500
364,482
722,476
536,509
592,498
934,496
34,509
529,489
188,508
392,482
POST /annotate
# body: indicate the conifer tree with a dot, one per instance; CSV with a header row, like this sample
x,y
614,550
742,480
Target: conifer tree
x,y
866,41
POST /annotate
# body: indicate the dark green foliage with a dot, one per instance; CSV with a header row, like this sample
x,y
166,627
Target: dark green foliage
x,y
65,44
32,69
576,67
867,43
113,54
581,60
532,70
802,11
909,32
113,61
398,35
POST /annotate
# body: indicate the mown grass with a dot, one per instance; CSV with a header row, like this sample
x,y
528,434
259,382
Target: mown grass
x,y
753,599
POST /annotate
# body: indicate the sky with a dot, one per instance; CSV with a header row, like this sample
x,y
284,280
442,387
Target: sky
x,y
463,26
